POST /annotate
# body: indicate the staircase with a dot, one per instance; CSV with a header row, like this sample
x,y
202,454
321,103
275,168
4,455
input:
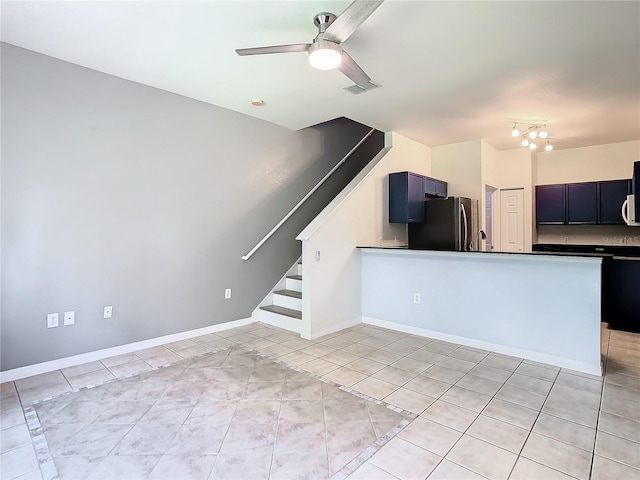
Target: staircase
x,y
285,310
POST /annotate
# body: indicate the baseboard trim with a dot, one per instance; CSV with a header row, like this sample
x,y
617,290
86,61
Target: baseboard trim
x,y
335,328
493,347
52,365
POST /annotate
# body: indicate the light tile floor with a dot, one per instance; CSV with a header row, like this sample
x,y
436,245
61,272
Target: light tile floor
x,y
477,414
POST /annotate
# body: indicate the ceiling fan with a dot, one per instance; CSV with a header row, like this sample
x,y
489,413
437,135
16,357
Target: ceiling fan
x,y
325,52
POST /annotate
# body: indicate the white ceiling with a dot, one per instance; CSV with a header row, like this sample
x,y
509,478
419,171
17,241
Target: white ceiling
x,y
450,71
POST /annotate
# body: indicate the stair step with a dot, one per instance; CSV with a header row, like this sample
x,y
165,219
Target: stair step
x,y
295,277
289,293
283,311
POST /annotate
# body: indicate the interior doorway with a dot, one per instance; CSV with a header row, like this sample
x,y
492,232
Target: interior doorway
x,y
512,220
490,217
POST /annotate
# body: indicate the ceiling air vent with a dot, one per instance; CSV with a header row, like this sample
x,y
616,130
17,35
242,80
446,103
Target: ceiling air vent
x,y
358,89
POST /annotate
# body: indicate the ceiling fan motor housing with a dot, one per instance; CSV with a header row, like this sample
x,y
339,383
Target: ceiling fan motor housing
x,y
322,20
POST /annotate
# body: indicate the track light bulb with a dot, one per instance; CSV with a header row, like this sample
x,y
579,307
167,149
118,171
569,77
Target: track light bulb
x,y
515,133
548,147
543,132
532,146
525,141
533,133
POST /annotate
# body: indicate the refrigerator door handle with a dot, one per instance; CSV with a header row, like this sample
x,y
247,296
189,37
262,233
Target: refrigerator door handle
x,y
625,209
464,222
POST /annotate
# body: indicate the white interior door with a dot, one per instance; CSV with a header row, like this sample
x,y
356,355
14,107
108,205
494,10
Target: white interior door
x,y
512,220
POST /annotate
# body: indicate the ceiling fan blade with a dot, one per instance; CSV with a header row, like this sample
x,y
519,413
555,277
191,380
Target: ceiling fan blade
x,y
349,20
298,47
351,69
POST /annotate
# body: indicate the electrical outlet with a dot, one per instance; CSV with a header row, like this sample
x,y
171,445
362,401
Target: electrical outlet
x,y
52,320
108,312
416,298
227,293
317,255
69,318
566,239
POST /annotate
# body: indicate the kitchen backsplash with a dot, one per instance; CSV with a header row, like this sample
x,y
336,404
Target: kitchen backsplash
x,y
589,234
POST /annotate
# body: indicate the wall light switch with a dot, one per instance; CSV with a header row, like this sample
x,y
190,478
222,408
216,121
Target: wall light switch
x,y
69,318
52,320
108,311
416,298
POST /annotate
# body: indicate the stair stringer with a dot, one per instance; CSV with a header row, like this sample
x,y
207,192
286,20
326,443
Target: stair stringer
x,y
281,321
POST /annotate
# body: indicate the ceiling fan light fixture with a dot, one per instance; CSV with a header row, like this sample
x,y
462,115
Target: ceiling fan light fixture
x,y
325,55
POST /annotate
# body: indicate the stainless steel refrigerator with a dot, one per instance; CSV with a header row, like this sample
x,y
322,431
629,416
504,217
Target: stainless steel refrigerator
x,y
449,224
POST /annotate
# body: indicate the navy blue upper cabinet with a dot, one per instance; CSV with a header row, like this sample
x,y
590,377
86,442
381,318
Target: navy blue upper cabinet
x,y
582,203
429,186
434,187
406,197
441,188
551,204
611,196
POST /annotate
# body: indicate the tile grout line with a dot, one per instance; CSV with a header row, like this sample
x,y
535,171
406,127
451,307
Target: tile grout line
x,y
39,441
531,430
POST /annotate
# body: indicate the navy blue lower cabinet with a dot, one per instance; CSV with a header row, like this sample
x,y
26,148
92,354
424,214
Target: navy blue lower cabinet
x,y
620,299
406,197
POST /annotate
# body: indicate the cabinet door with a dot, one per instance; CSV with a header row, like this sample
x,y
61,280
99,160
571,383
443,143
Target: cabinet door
x,y
550,204
415,204
611,196
582,203
430,186
406,197
441,188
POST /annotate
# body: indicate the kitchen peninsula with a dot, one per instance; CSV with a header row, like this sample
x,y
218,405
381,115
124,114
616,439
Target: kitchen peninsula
x,y
540,307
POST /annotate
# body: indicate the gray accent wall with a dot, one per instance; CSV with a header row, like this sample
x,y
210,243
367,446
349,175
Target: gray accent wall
x,y
116,193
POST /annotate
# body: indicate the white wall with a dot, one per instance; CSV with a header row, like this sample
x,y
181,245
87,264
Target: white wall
x,y
599,162
358,216
544,308
459,164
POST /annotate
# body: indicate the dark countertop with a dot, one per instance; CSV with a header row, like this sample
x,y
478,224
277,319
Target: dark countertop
x,y
614,251
550,253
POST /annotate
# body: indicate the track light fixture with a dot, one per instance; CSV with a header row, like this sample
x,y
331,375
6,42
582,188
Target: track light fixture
x,y
529,131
